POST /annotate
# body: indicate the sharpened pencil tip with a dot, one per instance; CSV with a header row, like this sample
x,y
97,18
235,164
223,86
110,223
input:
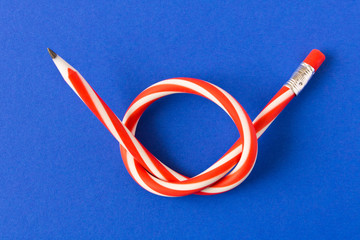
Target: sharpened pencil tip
x,y
52,53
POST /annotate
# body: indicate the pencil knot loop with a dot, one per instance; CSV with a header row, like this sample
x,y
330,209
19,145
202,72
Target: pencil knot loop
x,y
228,172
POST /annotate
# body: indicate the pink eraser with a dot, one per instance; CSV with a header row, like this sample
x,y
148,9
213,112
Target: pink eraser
x,y
315,59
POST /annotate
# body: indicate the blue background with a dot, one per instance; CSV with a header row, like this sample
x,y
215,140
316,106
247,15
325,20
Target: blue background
x,y
61,174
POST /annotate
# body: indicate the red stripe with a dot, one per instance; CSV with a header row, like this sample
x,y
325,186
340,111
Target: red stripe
x,y
143,170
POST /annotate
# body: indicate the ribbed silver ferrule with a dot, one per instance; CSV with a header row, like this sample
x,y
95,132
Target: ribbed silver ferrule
x,y
300,78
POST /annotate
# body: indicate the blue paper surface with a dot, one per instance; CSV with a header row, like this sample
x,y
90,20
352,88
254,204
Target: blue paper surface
x,y
61,174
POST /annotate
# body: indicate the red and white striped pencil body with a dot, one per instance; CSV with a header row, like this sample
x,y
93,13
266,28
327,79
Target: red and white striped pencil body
x,y
149,172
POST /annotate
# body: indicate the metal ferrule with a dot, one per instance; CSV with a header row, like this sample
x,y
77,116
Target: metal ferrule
x,y
300,78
